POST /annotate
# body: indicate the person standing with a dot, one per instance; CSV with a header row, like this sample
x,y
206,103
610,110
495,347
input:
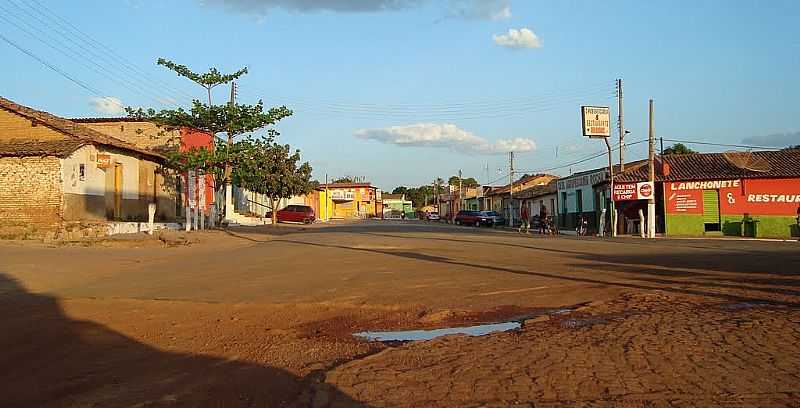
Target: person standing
x,y
543,219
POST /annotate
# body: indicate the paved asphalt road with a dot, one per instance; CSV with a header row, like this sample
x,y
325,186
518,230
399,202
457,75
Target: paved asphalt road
x,y
86,325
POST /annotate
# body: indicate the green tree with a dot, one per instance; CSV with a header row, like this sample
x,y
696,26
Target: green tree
x,y
678,148
400,190
266,167
207,80
465,182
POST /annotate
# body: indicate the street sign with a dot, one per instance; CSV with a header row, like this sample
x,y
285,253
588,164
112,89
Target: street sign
x,y
633,191
596,121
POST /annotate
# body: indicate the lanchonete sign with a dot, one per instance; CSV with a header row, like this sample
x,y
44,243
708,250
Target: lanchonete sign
x,y
747,196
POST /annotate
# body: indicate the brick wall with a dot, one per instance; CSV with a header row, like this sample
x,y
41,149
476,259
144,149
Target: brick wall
x,y
13,126
30,190
142,134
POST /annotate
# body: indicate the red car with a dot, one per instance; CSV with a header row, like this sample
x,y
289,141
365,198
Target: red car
x,y
296,213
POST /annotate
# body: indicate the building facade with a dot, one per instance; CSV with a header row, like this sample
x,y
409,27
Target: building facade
x,y
750,194
53,171
354,200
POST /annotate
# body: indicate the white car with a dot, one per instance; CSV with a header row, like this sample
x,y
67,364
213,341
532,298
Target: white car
x,y
433,216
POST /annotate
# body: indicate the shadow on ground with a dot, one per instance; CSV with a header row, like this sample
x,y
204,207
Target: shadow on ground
x,y
49,359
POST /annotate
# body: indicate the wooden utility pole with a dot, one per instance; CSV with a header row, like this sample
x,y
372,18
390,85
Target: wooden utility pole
x,y
621,124
510,189
460,191
612,209
228,187
651,203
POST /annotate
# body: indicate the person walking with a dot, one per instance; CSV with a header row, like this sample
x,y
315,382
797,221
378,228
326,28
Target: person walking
x,y
524,221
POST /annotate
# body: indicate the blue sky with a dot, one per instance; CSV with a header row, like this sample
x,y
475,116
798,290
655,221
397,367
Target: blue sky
x,y
402,91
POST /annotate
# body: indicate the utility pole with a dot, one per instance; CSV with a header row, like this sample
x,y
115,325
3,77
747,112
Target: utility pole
x,y
612,209
621,124
328,197
651,203
228,187
460,191
510,189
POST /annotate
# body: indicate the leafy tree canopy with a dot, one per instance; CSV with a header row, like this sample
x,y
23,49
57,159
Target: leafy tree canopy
x,y
678,148
207,80
465,182
236,119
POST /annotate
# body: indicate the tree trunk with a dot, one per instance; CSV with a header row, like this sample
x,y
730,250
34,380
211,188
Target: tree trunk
x,y
274,211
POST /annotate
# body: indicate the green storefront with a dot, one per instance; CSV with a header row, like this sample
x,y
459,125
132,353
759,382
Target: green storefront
x,y
747,194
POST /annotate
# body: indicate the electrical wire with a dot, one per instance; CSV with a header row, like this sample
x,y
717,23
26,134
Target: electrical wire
x,y
720,144
123,62
580,161
100,71
51,66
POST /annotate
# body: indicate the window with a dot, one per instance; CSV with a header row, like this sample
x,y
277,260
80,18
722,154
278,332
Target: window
x,y
82,172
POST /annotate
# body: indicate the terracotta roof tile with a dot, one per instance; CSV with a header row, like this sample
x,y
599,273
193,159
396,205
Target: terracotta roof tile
x,y
70,128
27,148
717,166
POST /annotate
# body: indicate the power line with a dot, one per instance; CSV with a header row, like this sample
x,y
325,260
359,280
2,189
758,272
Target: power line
x,y
499,109
721,144
52,67
77,59
122,61
72,53
583,160
457,106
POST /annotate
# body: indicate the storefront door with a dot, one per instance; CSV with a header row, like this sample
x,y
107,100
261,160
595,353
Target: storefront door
x,y
711,210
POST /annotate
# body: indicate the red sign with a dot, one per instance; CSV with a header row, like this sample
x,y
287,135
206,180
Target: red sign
x,y
633,191
103,160
736,197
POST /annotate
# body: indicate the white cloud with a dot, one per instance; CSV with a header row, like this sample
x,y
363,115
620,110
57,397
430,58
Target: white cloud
x,y
444,136
303,6
518,39
775,139
494,10
468,9
107,105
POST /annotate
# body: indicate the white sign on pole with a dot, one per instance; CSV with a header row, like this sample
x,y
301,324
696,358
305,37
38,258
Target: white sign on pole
x,y
596,121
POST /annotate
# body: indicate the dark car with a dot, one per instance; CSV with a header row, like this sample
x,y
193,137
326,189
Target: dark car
x,y
467,218
296,213
479,218
491,218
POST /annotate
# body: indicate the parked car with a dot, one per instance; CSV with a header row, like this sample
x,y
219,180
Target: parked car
x,y
491,218
295,213
479,218
433,216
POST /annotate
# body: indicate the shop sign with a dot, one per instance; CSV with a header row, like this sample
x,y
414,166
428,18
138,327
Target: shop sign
x,y
633,191
582,180
342,195
736,197
596,121
103,161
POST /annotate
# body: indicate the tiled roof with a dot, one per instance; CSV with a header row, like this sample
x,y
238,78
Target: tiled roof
x,y
70,128
538,191
27,148
522,180
716,166
106,120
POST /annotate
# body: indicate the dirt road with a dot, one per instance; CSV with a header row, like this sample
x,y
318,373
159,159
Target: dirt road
x,y
263,317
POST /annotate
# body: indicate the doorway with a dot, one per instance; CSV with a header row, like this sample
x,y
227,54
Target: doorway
x,y
117,191
711,211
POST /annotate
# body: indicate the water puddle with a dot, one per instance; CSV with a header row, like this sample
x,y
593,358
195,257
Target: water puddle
x,y
741,305
416,335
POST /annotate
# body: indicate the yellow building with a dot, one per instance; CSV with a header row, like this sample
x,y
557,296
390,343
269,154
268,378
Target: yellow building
x,y
352,200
